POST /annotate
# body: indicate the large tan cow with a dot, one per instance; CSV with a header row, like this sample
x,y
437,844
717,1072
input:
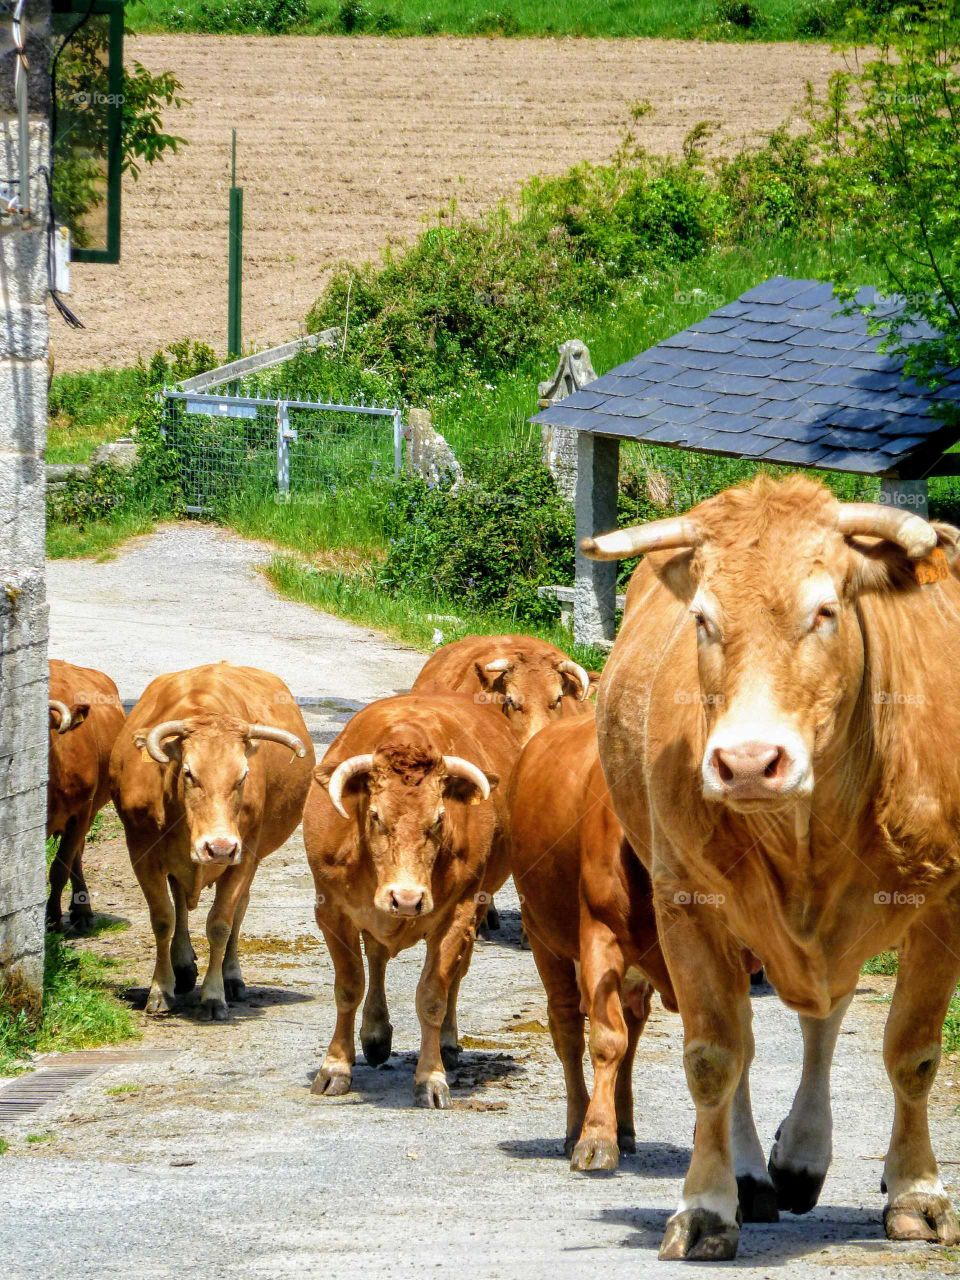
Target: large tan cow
x,y
779,724
405,831
85,717
209,776
532,682
600,958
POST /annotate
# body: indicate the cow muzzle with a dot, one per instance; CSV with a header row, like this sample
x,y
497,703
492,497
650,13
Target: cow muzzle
x,y
755,774
217,849
404,900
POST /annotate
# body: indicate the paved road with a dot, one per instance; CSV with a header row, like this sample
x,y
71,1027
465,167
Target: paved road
x,y
219,1162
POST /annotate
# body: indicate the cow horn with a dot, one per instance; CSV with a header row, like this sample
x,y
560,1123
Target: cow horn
x,y
167,729
874,520
457,767
270,733
658,535
499,664
64,710
342,775
571,668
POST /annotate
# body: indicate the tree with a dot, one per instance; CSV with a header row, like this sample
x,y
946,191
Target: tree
x,y
890,137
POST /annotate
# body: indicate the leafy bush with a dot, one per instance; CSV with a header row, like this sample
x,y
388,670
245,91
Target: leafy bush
x,y
489,544
739,13
272,17
778,187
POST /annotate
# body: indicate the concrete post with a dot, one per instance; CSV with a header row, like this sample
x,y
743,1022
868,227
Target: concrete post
x,y
909,495
23,608
559,444
595,587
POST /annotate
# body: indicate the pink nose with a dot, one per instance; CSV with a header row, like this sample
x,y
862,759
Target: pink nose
x,y
221,848
406,902
751,768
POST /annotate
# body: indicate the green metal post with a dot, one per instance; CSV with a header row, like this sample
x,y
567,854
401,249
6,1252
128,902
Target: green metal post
x,y
234,259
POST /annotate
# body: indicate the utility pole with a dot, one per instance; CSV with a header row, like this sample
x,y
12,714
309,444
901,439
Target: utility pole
x,y
234,259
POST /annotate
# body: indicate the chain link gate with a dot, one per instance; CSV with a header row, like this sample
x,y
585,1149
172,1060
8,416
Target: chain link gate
x,y
246,446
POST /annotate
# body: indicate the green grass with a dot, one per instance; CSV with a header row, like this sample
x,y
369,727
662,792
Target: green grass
x,y
886,964
706,19
99,539
79,1009
88,408
410,619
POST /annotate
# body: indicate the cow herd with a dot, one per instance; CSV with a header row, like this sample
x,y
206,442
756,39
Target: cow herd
x,y
770,778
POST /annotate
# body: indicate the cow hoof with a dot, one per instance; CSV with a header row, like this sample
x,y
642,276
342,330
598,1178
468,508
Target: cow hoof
x,y
798,1190
332,1082
758,1199
81,925
450,1056
235,989
159,1001
376,1049
595,1155
570,1143
55,924
922,1215
185,979
493,918
215,1011
699,1235
627,1142
524,940
432,1094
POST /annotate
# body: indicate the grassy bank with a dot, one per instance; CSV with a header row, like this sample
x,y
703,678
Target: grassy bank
x,y
683,19
80,1010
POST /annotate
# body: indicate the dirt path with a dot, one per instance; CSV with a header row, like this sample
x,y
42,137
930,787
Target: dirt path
x,y
218,1162
345,144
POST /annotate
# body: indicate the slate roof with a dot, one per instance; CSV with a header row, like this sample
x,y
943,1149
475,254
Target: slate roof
x,y
779,376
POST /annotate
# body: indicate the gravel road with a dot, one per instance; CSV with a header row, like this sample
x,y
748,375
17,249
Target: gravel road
x,y
219,1162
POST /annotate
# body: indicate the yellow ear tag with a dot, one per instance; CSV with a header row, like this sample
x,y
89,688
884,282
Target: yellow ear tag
x,y
145,755
932,568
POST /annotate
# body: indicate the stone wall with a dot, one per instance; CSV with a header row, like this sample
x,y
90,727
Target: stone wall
x,y
23,608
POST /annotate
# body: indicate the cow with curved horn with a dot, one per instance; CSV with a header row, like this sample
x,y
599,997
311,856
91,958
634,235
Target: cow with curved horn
x,y
85,716
531,682
779,725
405,831
209,777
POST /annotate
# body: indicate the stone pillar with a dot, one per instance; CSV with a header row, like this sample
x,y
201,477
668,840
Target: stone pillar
x,y
574,371
428,453
907,495
23,608
595,586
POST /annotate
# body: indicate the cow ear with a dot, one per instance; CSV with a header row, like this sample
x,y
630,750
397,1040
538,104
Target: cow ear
x,y
251,747
883,566
462,789
676,570
323,773
78,713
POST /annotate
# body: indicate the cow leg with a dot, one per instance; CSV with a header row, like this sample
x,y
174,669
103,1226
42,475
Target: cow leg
x,y
559,978
232,886
376,1030
755,1190
234,987
711,986
450,1031
69,852
801,1153
917,1206
637,997
182,954
601,978
161,997
81,909
446,954
343,943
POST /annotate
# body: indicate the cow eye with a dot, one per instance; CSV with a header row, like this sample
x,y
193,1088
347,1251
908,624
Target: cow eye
x,y
557,700
375,818
825,617
187,775
437,823
241,780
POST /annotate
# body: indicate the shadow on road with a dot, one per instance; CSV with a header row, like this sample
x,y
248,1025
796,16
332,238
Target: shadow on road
x,y
189,1010
651,1159
391,1085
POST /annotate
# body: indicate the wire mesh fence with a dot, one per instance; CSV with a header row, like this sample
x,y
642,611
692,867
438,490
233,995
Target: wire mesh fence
x,y
239,448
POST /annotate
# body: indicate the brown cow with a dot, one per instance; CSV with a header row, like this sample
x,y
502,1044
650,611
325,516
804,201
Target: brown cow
x,y
532,682
779,723
85,717
602,961
405,831
209,777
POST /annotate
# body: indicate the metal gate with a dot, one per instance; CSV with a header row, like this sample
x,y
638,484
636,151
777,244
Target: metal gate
x,y
233,446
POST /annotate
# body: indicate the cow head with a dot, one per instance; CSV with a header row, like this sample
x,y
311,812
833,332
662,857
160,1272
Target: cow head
x,y
402,795
530,689
771,574
208,758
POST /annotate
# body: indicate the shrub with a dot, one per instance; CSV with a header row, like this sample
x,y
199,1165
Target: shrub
x,y
776,188
489,544
739,13
272,17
